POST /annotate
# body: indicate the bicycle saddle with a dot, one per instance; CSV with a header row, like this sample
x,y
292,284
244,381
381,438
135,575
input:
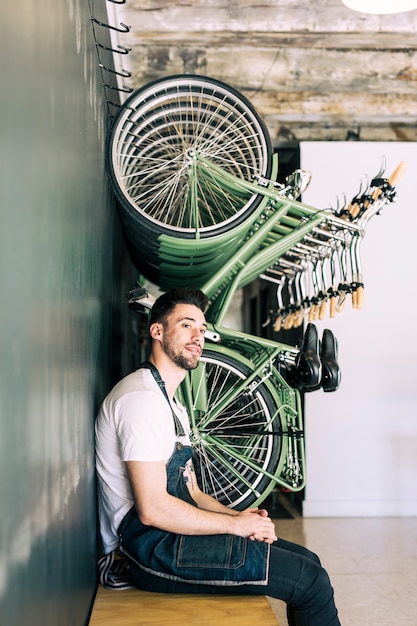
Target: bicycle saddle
x,y
330,378
308,368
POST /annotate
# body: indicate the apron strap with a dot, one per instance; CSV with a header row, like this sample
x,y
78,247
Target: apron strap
x,y
179,430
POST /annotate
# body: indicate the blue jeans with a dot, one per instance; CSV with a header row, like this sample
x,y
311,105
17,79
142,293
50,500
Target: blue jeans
x,y
295,576
213,560
162,561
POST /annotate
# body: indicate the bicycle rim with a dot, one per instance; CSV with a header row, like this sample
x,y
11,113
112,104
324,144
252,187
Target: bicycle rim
x,y
150,155
237,450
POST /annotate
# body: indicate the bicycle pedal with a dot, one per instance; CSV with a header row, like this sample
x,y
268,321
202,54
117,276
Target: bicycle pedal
x,y
139,298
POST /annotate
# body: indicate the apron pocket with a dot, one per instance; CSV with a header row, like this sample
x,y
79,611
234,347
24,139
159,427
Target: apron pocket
x,y
212,551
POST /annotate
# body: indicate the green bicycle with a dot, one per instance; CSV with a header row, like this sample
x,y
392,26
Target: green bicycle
x,y
194,174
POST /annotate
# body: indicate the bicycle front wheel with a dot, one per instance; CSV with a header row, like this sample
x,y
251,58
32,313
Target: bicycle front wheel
x,y
238,443
150,156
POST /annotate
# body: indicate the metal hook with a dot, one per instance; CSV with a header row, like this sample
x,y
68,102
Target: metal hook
x,y
113,104
124,89
125,28
123,73
122,49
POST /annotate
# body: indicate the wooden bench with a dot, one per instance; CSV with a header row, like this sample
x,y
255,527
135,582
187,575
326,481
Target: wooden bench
x,y
132,607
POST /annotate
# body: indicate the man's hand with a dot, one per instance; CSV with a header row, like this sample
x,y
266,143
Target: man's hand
x,y
256,525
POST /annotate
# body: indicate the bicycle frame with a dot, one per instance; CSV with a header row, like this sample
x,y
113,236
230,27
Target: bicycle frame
x,y
191,164
280,226
250,259
262,357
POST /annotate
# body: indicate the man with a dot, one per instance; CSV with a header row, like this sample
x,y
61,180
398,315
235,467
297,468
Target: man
x,y
177,538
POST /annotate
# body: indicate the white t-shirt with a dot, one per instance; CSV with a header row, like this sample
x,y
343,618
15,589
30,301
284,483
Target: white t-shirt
x,y
135,423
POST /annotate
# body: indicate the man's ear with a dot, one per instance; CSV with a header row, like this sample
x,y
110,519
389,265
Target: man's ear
x,y
155,330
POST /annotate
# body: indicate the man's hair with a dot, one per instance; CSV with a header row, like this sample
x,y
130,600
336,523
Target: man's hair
x,y
163,305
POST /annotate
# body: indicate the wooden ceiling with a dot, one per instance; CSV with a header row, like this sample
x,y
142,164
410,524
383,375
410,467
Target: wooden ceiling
x,y
316,71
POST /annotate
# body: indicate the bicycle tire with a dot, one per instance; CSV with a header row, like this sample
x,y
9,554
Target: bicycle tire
x,y
148,156
219,443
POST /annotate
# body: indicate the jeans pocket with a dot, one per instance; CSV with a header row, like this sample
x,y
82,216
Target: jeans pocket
x,y
211,552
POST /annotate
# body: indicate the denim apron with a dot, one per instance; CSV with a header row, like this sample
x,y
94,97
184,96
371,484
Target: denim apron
x,y
203,559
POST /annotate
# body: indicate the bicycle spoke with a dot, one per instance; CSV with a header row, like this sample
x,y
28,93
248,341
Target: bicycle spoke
x,y
239,445
154,139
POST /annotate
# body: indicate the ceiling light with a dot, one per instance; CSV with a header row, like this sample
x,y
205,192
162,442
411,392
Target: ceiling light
x,y
380,7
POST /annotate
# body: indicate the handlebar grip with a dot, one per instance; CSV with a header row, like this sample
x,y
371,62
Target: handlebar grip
x,y
393,179
397,173
340,304
360,297
333,306
277,323
322,310
288,322
299,320
354,209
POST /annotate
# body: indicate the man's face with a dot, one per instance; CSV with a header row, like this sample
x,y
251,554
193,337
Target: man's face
x,y
183,336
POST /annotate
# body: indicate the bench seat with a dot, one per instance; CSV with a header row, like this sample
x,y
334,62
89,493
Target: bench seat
x,y
133,607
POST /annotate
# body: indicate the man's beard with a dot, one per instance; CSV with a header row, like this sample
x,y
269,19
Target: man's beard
x,y
185,362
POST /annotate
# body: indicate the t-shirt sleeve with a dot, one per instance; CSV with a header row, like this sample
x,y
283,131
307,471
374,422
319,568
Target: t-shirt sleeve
x,y
144,426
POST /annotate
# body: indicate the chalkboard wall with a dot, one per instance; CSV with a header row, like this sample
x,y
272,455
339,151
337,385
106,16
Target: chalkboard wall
x,y
60,257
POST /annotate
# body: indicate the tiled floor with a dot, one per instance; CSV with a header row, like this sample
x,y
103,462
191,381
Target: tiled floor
x,y
372,563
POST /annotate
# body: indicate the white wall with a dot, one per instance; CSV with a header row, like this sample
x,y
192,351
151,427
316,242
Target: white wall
x,y
361,441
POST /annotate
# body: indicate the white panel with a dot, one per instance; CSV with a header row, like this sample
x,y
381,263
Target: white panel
x,y
361,440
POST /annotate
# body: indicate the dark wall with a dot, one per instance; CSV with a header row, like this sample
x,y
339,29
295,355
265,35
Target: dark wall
x,y
60,255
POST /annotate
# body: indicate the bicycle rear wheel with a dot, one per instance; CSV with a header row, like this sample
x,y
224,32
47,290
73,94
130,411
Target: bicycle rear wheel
x,y
150,157
239,450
